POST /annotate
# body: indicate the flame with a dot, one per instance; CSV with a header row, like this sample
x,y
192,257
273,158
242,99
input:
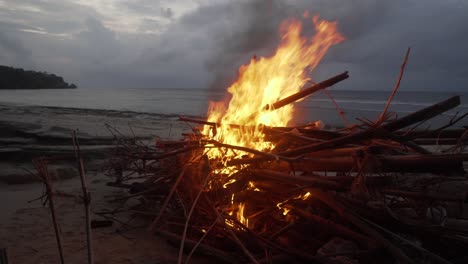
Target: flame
x,y
303,197
238,209
253,187
266,80
240,215
262,82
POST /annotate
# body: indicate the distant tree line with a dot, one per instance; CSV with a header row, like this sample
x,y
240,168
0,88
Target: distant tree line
x,y
13,78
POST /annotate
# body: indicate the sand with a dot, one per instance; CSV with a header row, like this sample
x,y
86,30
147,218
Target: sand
x,y
26,229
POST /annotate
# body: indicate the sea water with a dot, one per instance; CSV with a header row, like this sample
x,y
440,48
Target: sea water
x,y
194,102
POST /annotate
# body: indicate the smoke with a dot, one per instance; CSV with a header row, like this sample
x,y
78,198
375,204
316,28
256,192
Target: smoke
x,y
251,29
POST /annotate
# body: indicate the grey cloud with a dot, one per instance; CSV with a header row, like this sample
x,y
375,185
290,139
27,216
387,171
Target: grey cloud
x,y
377,32
12,50
205,47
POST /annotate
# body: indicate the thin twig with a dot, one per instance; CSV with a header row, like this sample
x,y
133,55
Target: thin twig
x,y
239,242
207,231
189,216
402,70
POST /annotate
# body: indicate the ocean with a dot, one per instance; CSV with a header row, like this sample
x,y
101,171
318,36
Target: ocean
x,y
194,102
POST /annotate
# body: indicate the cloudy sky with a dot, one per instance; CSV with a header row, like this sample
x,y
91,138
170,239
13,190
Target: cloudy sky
x,y
201,43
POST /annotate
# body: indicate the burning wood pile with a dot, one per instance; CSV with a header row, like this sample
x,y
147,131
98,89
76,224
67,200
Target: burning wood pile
x,y
246,187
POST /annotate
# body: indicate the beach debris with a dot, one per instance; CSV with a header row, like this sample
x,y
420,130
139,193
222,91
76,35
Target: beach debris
x,y
245,186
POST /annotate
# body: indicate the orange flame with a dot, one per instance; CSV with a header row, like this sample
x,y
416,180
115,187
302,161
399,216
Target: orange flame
x,y
266,80
262,82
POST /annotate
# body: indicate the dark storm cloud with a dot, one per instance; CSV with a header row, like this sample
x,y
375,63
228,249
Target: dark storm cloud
x,y
148,43
377,32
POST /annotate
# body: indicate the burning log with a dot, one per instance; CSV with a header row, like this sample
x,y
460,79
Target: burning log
x,y
413,118
306,92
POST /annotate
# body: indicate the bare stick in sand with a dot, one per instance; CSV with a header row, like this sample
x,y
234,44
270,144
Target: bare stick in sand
x,y
86,196
41,167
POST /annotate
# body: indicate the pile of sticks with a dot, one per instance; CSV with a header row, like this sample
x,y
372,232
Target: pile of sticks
x,y
365,194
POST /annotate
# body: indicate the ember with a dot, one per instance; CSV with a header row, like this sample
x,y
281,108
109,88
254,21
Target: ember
x,y
248,187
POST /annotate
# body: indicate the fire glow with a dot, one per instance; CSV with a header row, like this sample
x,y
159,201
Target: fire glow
x,y
261,83
266,80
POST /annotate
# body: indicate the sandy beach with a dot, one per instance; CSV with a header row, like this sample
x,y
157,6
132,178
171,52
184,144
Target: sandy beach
x,y
26,228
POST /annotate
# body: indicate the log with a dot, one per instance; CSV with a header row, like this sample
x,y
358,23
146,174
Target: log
x,y
448,133
423,114
336,228
410,119
350,216
384,163
426,163
305,92
274,175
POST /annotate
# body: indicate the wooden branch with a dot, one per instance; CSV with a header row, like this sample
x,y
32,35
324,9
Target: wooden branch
x,y
320,183
402,141
189,217
41,167
249,150
383,163
449,133
86,197
305,92
410,119
395,89
241,245
364,227
423,114
203,248
154,225
336,228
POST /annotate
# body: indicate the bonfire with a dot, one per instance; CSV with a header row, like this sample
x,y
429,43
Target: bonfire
x,y
247,186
